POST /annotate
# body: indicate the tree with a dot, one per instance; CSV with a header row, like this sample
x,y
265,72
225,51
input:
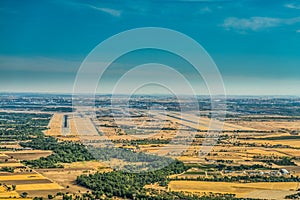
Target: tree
x,y
13,187
24,194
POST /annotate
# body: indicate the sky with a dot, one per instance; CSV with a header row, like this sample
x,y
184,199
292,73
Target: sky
x,y
255,44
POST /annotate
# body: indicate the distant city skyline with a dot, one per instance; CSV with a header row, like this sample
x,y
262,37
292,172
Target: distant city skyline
x,y
255,44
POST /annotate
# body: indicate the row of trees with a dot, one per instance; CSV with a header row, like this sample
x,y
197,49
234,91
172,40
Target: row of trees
x,y
143,141
156,195
221,167
7,169
293,196
284,161
243,179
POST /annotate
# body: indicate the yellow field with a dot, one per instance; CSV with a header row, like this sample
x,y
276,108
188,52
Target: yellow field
x,y
4,194
37,182
264,152
22,177
95,165
66,178
11,164
240,189
188,159
19,198
270,125
7,195
292,143
289,151
2,189
28,154
42,186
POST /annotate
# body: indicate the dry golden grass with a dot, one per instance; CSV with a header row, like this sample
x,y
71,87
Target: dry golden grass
x,y
270,125
240,189
7,195
292,143
66,178
2,189
284,124
19,198
26,182
189,159
22,177
17,164
158,121
42,186
4,194
94,165
264,152
28,154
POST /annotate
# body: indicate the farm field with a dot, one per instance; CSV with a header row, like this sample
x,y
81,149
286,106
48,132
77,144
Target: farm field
x,y
242,190
270,125
28,154
24,178
292,142
36,187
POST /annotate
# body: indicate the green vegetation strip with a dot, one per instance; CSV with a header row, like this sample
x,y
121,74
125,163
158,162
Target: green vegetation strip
x,y
63,152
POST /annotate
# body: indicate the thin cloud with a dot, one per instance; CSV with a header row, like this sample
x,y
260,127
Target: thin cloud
x,y
110,11
256,23
292,6
113,12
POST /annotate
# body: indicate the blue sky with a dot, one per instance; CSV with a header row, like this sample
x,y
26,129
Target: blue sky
x,y
255,44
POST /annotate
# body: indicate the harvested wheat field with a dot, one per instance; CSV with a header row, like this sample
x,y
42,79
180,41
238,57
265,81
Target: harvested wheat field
x,y
87,165
44,186
264,152
66,178
270,124
28,154
14,164
292,143
8,195
22,177
240,189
